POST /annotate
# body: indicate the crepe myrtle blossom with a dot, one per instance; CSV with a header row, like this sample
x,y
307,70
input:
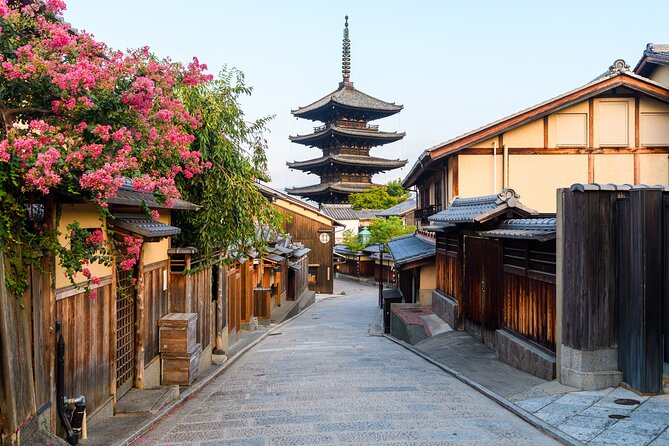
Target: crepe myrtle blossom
x,y
82,118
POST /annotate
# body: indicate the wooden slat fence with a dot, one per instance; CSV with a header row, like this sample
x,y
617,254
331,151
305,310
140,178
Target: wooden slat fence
x,y
155,306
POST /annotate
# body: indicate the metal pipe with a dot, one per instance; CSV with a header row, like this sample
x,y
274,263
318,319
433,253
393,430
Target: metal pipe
x,y
380,275
494,167
60,385
506,166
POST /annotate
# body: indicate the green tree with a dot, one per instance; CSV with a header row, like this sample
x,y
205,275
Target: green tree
x,y
378,197
232,206
395,189
383,229
352,241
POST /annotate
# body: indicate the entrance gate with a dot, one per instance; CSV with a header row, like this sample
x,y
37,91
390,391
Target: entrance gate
x,y
125,332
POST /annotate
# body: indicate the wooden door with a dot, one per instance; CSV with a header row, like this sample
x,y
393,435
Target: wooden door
x,y
125,332
665,212
481,303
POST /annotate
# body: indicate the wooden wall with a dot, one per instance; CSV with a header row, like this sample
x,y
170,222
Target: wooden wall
x,y
307,231
234,298
155,307
448,264
87,326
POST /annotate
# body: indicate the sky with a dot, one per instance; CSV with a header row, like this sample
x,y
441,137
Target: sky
x,y
453,65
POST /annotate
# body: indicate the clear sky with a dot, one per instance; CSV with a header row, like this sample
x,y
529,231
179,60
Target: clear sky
x,y
454,65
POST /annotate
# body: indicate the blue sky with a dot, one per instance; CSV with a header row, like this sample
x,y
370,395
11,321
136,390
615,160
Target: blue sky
x,y
453,65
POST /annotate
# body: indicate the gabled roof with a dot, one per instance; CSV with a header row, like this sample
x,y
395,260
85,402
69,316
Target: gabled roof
x,y
370,163
347,97
482,209
399,209
616,76
410,248
541,229
142,225
275,194
371,137
346,212
655,54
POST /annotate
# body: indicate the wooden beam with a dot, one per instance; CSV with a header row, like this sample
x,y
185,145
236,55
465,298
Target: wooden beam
x,y
637,169
112,335
571,151
591,123
591,168
545,132
139,324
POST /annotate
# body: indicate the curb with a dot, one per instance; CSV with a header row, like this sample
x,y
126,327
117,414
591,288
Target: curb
x,y
508,405
192,391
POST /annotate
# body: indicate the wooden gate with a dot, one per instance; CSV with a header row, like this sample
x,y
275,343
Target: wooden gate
x,y
665,231
482,293
125,332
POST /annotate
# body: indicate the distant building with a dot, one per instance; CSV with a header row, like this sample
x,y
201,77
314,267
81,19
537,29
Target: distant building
x,y
345,139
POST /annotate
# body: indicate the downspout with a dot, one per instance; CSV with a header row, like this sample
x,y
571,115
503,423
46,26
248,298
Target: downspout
x,y
494,167
506,166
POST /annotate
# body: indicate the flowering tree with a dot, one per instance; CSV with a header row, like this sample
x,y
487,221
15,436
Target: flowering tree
x,y
81,119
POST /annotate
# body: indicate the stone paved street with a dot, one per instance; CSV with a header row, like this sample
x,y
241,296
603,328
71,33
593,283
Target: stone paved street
x,y
328,378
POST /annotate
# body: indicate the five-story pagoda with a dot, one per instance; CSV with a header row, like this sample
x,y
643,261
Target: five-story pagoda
x,y
346,137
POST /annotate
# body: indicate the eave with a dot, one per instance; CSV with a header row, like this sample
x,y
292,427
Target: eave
x,y
367,163
597,87
368,137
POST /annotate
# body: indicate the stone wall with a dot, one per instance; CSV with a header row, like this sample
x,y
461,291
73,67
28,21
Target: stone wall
x,y
446,308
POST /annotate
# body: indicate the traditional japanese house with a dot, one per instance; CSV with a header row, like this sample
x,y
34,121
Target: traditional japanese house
x,y
496,276
111,336
356,264
345,139
354,220
314,230
613,129
413,258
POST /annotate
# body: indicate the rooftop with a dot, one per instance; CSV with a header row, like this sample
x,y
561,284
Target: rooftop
x,y
481,209
142,225
374,163
541,229
410,248
347,134
399,209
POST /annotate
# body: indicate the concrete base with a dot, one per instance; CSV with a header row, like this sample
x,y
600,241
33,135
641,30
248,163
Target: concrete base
x,y
589,370
406,323
147,400
446,308
152,373
523,355
205,359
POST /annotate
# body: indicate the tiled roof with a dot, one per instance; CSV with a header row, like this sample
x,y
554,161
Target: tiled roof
x,y
339,211
481,209
337,187
379,164
343,250
410,248
656,54
142,225
614,187
128,196
399,209
366,214
541,229
300,252
349,97
371,137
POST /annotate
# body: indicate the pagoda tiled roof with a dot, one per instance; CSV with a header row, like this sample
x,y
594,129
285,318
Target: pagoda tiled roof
x,y
372,136
348,97
374,163
316,189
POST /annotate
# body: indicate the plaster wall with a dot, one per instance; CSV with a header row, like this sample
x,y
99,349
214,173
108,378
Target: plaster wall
x,y
157,251
87,216
606,123
580,108
536,177
616,169
475,175
428,283
486,144
528,135
661,75
654,169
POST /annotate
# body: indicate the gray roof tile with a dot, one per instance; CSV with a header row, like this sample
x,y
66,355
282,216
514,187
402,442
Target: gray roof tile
x,y
541,229
399,209
142,225
410,248
481,209
348,96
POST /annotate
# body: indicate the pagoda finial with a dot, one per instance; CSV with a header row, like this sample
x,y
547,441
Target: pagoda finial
x,y
346,54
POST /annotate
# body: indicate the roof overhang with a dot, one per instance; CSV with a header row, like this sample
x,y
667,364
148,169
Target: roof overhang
x,y
144,226
592,89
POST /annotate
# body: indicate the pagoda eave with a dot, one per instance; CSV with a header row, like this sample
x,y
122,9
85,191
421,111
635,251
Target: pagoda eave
x,y
370,165
364,137
332,110
327,192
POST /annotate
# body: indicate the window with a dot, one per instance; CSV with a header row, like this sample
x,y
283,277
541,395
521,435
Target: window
x,y
613,124
654,129
572,129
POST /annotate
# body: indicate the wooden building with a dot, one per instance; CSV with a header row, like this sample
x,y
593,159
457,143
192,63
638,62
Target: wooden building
x,y
345,140
314,230
613,129
352,219
404,210
496,275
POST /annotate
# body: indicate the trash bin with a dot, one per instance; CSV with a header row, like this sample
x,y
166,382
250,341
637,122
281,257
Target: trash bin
x,y
390,297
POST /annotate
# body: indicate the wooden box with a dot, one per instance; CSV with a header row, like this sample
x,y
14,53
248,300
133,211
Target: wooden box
x,y
177,332
180,368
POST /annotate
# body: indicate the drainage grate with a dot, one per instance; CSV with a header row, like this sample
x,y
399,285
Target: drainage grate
x,y
627,402
617,416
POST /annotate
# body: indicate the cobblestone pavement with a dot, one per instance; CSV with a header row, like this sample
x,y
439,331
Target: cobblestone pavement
x,y
326,378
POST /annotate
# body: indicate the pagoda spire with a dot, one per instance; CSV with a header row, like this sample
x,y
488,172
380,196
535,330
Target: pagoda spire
x,y
346,54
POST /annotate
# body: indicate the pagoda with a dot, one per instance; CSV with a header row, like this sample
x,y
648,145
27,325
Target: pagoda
x,y
345,138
